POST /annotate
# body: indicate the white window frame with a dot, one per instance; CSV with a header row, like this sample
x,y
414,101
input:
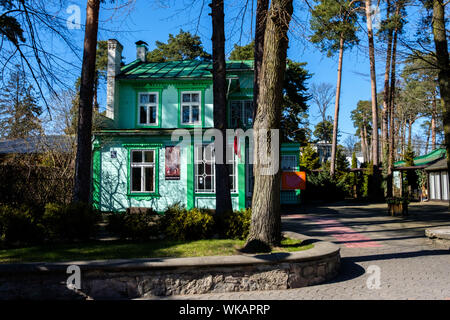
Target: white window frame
x,y
203,161
143,165
234,173
242,112
189,104
148,107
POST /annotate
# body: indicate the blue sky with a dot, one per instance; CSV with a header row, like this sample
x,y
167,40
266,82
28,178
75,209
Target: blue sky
x,y
154,20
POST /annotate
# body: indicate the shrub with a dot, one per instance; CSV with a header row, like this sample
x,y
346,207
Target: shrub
x,y
181,224
321,186
398,200
236,224
20,225
70,222
140,224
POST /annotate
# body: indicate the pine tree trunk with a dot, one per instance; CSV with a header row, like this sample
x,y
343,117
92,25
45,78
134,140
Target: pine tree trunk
x,y
440,43
261,15
95,97
265,227
403,136
386,102
410,124
366,145
82,186
392,132
433,124
336,108
363,145
373,86
223,196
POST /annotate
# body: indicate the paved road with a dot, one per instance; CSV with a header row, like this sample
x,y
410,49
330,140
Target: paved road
x,y
371,242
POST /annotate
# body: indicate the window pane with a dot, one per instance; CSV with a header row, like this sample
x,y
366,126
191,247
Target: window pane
x,y
208,153
208,183
200,169
152,114
235,113
148,179
186,97
230,154
195,113
148,156
198,154
195,97
208,168
231,176
152,98
144,98
200,183
142,115
231,183
136,156
136,179
185,116
248,116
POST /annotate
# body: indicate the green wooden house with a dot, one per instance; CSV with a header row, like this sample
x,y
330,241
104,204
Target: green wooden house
x,y
136,162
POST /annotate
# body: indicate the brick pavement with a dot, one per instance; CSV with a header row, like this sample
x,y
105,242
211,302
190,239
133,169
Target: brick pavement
x,y
370,240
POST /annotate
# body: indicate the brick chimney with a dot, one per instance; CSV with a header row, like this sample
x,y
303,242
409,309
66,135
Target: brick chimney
x,y
141,50
113,69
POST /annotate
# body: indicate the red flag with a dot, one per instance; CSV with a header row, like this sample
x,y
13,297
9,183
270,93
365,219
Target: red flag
x,y
237,146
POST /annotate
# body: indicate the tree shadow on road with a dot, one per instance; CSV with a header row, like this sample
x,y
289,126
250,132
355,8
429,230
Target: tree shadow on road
x,y
399,255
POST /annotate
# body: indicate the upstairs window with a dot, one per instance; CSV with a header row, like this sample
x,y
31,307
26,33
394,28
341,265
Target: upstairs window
x,y
190,107
241,114
142,171
148,108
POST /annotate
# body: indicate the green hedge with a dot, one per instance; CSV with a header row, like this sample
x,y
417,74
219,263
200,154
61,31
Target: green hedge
x,y
181,224
139,225
76,221
24,225
20,226
178,223
236,224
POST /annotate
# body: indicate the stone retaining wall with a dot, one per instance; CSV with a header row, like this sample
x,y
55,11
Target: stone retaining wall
x,y
127,279
439,237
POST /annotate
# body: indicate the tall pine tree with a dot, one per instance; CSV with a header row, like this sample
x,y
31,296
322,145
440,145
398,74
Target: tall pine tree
x,y
334,26
19,109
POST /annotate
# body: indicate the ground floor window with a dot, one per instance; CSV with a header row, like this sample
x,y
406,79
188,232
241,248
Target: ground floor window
x,y
205,173
142,171
289,162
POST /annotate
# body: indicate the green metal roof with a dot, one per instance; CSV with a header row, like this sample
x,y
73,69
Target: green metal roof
x,y
178,69
425,159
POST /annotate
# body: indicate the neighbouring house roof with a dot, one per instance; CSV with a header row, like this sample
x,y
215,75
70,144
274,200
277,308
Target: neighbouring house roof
x,y
425,159
37,144
186,69
439,165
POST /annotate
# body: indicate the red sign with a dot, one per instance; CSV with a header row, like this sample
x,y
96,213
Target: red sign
x,y
293,180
